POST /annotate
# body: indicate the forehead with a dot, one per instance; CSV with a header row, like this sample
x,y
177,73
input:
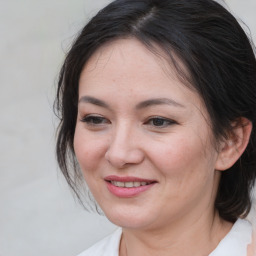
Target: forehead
x,y
126,65
126,54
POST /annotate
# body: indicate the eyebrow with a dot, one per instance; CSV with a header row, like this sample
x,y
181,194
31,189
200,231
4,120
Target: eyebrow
x,y
94,101
141,105
159,101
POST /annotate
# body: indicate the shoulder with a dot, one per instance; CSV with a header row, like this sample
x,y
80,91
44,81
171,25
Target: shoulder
x,y
236,242
108,246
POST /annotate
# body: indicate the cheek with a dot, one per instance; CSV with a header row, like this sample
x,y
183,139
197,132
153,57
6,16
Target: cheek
x,y
88,150
183,160
187,171
169,155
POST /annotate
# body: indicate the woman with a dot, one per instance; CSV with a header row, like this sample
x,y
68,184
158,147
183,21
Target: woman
x,y
157,102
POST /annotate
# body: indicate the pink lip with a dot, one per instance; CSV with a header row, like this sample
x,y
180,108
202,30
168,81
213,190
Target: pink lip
x,y
127,179
124,192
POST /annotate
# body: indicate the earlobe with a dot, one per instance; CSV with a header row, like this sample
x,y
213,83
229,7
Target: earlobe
x,y
233,147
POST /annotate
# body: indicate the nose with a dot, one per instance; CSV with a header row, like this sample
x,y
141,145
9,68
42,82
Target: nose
x,y
124,148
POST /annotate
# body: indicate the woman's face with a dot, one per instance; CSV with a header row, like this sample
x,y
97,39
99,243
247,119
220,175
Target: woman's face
x,y
143,139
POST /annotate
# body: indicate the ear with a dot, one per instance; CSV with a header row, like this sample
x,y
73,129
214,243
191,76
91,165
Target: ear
x,y
233,147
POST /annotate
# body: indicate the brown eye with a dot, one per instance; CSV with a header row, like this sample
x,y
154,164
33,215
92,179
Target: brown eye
x,y
160,122
94,120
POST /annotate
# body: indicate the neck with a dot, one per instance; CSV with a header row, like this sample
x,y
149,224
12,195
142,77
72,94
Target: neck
x,y
199,238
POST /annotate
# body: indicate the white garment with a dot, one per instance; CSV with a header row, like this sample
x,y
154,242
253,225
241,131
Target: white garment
x,y
233,244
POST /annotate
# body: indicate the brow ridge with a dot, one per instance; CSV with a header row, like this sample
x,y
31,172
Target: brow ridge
x,y
141,105
158,101
94,101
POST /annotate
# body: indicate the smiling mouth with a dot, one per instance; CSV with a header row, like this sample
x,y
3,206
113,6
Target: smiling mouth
x,y
128,187
130,184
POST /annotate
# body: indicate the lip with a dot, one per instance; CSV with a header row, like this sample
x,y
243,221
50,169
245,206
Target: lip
x,y
124,192
127,179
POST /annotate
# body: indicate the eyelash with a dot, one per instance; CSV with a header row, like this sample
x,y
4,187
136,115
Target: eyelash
x,y
164,122
94,120
156,121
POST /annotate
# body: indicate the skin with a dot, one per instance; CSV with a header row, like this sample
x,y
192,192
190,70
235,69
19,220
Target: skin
x,y
251,249
170,143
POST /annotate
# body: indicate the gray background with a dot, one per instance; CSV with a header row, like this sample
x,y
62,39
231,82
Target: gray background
x,y
38,215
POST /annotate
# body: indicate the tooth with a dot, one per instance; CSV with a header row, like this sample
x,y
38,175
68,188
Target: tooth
x,y
119,184
128,184
136,184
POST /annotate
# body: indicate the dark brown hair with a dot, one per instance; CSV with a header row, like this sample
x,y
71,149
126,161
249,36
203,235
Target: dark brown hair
x,y
222,69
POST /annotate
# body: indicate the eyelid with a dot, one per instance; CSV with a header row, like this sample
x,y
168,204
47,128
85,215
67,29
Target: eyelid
x,y
90,117
164,119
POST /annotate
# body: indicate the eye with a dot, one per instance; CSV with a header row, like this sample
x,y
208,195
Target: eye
x,y
94,120
160,122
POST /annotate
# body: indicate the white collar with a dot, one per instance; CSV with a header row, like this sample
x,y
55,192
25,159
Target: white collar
x,y
235,243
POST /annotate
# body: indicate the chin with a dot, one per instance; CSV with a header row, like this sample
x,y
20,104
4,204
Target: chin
x,y
130,219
